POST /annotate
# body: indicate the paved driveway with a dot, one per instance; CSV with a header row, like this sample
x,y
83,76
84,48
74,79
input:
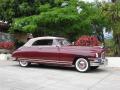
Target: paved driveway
x,y
14,77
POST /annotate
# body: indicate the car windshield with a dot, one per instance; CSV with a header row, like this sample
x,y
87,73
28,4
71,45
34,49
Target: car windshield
x,y
64,42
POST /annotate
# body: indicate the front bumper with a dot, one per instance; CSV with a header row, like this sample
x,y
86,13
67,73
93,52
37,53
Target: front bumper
x,y
99,62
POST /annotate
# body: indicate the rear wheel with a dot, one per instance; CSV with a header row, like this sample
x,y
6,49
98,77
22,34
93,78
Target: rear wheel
x,y
82,65
24,63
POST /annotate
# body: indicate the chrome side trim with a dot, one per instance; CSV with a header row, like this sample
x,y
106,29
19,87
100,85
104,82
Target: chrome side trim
x,y
45,61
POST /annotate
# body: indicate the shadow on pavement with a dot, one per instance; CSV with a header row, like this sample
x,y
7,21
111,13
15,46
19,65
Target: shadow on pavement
x,y
99,70
44,66
64,68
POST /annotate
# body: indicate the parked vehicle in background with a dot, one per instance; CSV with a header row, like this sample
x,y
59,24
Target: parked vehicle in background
x,y
58,51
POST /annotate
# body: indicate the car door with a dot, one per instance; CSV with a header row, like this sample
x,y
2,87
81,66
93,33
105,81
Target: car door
x,y
65,54
45,51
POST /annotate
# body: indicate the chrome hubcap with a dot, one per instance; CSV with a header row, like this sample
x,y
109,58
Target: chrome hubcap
x,y
82,65
23,63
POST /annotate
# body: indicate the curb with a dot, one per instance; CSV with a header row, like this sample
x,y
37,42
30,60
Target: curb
x,y
4,57
113,61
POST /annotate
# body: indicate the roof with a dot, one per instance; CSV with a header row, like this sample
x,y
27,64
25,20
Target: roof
x,y
47,37
30,42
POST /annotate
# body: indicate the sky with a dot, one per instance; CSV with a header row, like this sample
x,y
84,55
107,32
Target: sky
x,y
95,0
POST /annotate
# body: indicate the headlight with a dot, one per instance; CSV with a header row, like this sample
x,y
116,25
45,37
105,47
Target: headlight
x,y
97,55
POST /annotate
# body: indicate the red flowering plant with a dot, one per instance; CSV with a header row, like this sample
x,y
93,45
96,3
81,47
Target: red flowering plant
x,y
87,41
6,45
6,41
1,45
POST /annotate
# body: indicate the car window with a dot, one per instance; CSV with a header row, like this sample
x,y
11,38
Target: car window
x,y
63,42
43,42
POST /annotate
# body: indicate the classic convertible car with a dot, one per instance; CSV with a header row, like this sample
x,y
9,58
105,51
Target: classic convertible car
x,y
58,51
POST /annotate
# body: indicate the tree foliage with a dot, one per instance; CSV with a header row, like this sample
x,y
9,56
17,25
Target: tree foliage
x,y
112,13
68,18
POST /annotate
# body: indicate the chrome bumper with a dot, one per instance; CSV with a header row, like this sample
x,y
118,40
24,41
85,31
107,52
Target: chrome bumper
x,y
99,62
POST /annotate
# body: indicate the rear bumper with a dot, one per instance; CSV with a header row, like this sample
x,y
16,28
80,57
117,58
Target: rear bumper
x,y
99,62
13,58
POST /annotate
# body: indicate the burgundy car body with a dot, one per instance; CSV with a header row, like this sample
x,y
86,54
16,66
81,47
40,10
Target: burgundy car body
x,y
57,53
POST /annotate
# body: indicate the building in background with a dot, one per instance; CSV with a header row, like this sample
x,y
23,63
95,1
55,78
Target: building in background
x,y
107,35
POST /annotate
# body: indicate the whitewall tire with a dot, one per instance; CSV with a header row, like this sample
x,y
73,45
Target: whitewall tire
x,y
24,63
82,65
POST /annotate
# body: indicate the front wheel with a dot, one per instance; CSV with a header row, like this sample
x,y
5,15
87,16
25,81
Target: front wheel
x,y
82,65
24,63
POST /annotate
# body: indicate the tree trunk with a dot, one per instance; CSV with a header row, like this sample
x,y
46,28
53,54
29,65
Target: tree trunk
x,y
117,44
113,1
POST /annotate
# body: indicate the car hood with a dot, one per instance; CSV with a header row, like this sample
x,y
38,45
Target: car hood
x,y
88,48
83,50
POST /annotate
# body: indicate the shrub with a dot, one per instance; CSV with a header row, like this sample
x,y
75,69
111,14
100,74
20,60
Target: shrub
x,y
6,45
87,41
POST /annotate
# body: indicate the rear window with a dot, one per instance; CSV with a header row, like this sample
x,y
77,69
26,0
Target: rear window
x,y
43,42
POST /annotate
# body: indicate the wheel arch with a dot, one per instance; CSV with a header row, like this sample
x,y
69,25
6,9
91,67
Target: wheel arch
x,y
75,59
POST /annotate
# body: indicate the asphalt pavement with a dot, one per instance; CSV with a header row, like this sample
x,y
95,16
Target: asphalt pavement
x,y
43,77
